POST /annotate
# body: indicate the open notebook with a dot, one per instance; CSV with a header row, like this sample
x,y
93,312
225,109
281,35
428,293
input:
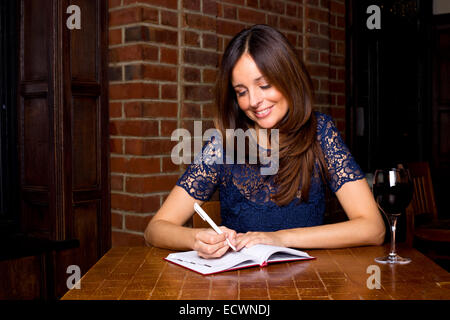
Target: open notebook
x,y
259,254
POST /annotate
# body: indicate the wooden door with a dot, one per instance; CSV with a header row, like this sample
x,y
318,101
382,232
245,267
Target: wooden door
x,y
63,128
441,113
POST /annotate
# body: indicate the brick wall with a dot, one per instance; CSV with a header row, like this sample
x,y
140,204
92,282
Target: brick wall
x,y
163,64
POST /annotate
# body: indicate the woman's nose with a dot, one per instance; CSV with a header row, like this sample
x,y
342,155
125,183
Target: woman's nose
x,y
256,98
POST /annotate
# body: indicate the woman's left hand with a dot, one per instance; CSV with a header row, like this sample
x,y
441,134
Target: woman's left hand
x,y
251,238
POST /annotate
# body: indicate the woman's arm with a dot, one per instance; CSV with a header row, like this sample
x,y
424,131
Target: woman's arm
x,y
364,227
166,229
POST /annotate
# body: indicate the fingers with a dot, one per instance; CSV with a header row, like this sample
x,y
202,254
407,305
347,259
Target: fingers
x,y
244,240
209,244
230,235
249,239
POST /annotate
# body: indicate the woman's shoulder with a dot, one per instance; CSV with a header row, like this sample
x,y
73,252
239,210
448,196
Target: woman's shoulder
x,y
323,121
212,151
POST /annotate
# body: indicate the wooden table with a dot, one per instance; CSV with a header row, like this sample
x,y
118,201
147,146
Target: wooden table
x,y
141,273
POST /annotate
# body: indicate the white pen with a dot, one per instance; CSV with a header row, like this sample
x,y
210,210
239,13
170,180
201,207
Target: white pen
x,y
205,217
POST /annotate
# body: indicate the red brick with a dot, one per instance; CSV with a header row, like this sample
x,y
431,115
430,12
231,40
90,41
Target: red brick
x,y
171,4
133,52
229,12
150,184
208,110
337,60
169,166
338,87
142,128
149,147
317,43
133,15
311,56
324,57
136,204
120,239
200,57
115,36
274,6
337,7
209,75
253,4
115,110
192,39
251,16
165,36
273,20
135,165
167,127
190,110
340,22
316,14
133,91
324,85
229,28
337,113
210,7
114,3
291,24
337,34
116,220
191,74
291,9
169,91
318,70
136,223
169,55
169,18
191,5
210,41
240,2
150,72
198,93
324,30
150,109
116,182
340,100
322,98
115,73
200,22
116,145
312,27
137,33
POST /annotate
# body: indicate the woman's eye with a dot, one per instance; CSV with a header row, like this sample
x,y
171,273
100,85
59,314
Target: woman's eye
x,y
241,93
267,86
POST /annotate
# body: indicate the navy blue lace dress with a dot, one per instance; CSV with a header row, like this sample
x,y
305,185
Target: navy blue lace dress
x,y
245,194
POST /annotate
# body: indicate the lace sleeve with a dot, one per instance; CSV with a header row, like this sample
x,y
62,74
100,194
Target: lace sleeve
x,y
342,167
202,177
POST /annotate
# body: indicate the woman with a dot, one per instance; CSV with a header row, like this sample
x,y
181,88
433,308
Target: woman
x,y
263,85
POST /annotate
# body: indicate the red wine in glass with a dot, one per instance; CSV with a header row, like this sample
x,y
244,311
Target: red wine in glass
x,y
393,192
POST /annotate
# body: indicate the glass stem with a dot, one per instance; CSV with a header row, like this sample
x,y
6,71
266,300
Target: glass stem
x,y
393,223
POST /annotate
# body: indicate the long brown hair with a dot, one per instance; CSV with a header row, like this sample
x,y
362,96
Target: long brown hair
x,y
275,57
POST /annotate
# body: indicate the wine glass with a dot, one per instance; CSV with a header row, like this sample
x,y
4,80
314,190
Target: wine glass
x,y
393,192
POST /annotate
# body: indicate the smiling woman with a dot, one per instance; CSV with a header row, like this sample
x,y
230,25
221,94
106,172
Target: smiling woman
x,y
262,84
273,90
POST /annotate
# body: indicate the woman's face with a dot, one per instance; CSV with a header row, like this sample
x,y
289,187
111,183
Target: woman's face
x,y
259,100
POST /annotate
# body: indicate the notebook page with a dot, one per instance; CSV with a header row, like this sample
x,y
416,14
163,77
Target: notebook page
x,y
264,252
191,260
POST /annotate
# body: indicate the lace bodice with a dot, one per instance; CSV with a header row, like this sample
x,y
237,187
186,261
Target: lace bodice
x,y
245,194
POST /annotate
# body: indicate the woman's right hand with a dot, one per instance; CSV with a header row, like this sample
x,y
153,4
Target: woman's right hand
x,y
209,244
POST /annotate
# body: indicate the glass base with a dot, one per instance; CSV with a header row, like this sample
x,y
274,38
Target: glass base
x,y
393,259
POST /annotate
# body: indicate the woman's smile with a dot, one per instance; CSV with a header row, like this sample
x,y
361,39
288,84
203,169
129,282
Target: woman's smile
x,y
263,113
